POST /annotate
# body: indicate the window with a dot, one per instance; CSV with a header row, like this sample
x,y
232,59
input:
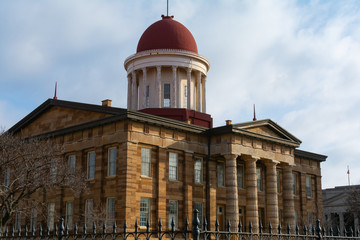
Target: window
x,y
278,180
242,215
89,208
147,98
7,177
166,95
72,162
240,176
185,96
199,207
53,173
110,210
33,218
294,183
69,214
259,178
112,161
145,161
91,165
173,166
173,212
51,215
280,216
144,211
220,174
198,172
308,187
17,221
262,216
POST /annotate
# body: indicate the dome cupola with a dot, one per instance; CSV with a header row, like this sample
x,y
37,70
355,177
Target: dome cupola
x,y
167,34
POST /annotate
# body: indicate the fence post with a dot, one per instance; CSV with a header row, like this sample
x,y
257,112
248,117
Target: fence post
x,y
195,223
318,230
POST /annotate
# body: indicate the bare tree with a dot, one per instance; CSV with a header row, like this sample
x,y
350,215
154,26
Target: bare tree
x,y
353,203
28,166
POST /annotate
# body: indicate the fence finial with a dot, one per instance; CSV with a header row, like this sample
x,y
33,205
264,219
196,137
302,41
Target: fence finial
x,y
195,225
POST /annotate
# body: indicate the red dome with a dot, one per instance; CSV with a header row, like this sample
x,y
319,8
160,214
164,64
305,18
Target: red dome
x,y
167,34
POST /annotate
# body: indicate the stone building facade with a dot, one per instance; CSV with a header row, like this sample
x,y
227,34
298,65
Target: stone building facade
x,y
161,157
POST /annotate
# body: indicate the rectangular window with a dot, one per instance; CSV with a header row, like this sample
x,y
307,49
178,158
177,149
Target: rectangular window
x,y
294,183
240,176
220,174
112,161
278,180
53,173
242,215
185,96
173,166
89,212
110,211
7,177
308,187
166,95
33,218
69,214
147,100
17,221
259,179
51,215
199,207
72,162
173,212
144,211
145,161
91,165
198,172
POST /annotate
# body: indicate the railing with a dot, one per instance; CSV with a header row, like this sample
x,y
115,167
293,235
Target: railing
x,y
62,232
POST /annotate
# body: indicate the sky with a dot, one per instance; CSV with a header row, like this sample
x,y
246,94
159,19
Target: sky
x,y
297,60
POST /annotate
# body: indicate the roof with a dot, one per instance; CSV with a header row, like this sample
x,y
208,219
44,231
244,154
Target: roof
x,y
310,155
167,34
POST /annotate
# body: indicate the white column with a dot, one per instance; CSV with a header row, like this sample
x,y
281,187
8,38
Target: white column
x,y
203,84
144,88
158,86
189,92
134,91
173,93
198,102
129,92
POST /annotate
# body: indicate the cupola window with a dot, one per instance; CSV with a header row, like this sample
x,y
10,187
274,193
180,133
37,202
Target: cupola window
x,y
166,95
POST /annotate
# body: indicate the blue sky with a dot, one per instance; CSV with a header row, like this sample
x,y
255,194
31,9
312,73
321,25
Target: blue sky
x,y
298,61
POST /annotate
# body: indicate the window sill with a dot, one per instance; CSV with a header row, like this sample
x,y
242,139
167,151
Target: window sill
x,y
145,177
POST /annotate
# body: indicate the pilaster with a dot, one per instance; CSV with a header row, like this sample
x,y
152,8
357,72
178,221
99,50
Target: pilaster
x,y
188,189
161,193
288,197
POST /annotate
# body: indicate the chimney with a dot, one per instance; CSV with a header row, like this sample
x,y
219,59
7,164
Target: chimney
x,y
106,103
228,122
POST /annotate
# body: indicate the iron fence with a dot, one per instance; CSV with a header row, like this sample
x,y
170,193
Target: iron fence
x,y
62,232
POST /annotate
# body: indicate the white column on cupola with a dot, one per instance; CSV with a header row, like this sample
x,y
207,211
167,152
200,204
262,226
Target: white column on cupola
x,y
134,91
158,86
144,87
198,106
129,106
189,89
203,92
174,88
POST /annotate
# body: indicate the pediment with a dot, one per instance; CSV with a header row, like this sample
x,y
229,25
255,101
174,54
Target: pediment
x,y
57,114
267,128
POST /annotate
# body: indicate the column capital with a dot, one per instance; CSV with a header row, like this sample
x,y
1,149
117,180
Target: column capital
x,y
230,156
144,70
158,68
270,162
248,158
174,67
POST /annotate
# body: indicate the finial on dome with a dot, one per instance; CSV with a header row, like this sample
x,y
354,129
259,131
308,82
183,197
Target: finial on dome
x,y
55,97
254,119
167,12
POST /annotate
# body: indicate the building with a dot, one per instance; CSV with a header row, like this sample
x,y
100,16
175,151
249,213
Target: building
x,y
337,213
161,157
